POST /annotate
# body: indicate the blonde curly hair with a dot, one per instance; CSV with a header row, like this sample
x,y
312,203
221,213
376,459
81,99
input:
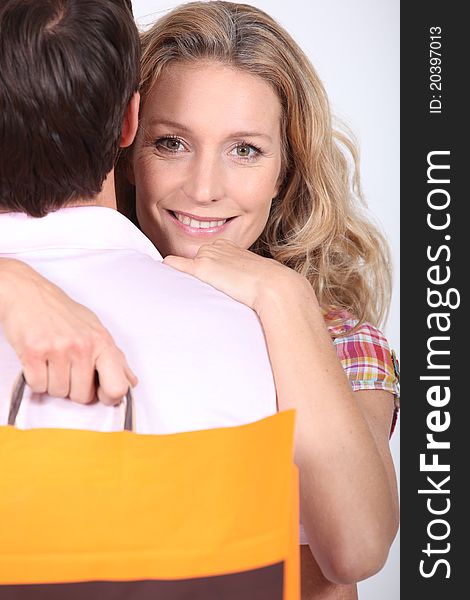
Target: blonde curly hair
x,y
317,224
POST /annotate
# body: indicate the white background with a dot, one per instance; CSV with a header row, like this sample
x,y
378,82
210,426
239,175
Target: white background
x,y
354,45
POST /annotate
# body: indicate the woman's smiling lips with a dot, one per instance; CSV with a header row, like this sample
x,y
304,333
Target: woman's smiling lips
x,y
199,226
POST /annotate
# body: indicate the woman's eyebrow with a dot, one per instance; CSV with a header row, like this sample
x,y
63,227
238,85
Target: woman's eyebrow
x,y
169,123
180,127
243,134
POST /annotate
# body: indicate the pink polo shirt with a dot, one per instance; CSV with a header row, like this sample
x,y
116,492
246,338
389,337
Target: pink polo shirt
x,y
200,356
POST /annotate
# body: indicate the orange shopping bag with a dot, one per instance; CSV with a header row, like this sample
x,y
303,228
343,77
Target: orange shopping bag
x,y
202,515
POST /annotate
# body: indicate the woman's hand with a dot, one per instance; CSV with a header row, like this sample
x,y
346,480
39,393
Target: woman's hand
x,y
241,274
61,344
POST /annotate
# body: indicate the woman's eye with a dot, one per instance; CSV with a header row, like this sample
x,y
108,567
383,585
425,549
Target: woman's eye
x,y
246,151
169,144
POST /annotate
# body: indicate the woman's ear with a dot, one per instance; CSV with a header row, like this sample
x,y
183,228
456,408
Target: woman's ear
x,y
131,121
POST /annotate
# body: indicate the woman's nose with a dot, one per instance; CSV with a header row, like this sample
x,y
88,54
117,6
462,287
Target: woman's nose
x,y
205,181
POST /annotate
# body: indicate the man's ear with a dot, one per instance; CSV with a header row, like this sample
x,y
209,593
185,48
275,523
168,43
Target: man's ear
x,y
131,121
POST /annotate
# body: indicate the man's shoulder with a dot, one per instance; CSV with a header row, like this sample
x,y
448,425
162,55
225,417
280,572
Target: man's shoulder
x,y
96,253
73,228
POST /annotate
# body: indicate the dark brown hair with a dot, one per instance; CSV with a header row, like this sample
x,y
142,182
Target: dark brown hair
x,y
68,69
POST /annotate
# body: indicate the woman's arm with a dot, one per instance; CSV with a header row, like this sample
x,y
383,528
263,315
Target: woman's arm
x,y
61,344
349,505
314,585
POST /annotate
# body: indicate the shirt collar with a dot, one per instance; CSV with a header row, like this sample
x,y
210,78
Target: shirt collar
x,y
83,227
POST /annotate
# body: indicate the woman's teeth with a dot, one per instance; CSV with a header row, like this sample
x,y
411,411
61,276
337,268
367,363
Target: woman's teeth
x,y
198,224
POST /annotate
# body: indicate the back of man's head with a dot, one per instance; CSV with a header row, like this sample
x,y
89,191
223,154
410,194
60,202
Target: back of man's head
x,y
68,69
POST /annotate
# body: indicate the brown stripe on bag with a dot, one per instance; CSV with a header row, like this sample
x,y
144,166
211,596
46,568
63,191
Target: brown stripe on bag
x,y
258,584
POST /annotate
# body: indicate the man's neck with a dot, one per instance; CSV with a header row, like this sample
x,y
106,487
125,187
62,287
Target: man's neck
x,y
106,197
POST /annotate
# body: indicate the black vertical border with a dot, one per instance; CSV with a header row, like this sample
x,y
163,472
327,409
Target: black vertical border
x,y
421,133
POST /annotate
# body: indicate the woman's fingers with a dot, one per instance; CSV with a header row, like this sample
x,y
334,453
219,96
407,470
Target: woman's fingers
x,y
82,380
131,376
237,272
186,265
114,377
35,373
58,380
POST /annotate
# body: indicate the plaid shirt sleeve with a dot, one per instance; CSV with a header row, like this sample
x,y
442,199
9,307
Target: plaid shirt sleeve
x,y
367,359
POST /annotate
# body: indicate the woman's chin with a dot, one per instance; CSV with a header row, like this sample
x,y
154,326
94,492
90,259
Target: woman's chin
x,y
185,251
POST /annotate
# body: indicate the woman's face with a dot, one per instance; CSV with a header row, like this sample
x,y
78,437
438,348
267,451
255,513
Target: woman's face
x,y
207,157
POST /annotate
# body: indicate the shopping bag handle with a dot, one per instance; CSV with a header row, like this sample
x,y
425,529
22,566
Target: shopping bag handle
x,y
17,397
